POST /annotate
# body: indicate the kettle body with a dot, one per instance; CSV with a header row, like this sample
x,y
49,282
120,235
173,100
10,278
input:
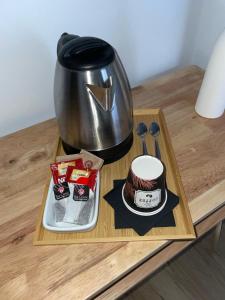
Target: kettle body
x,y
92,96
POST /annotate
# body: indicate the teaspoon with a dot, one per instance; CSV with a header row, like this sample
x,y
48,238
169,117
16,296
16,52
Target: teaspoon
x,y
142,131
154,130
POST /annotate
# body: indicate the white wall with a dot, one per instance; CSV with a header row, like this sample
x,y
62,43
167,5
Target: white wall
x,y
148,36
206,21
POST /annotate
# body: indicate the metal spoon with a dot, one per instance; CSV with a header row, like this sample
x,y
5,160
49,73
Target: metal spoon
x,y
154,130
142,131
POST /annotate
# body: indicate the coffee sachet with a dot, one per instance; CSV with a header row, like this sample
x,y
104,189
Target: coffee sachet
x,y
90,161
59,169
79,176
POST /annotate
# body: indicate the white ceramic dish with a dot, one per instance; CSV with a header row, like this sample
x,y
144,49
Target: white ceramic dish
x,y
49,219
144,214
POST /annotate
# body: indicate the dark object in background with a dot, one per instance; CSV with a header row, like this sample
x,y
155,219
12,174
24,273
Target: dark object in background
x,y
92,98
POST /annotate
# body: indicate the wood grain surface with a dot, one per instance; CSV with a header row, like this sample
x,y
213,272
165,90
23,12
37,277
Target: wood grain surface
x,y
105,229
82,271
157,261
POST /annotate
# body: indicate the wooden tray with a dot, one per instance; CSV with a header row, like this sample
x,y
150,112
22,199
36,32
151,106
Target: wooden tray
x,y
104,230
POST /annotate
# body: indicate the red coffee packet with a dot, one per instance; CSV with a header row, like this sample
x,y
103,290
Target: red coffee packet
x,y
59,169
81,176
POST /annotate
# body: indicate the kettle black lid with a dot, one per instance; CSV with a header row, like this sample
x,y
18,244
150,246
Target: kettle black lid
x,y
83,53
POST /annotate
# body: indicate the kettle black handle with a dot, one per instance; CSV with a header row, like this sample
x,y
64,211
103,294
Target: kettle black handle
x,y
70,49
83,53
64,39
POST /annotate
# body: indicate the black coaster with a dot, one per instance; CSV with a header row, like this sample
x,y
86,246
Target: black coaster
x,y
141,224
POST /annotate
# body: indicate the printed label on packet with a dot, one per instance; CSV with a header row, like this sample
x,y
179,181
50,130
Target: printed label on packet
x,y
61,190
81,176
76,174
81,192
62,167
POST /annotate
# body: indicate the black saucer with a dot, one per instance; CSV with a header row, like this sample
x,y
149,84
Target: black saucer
x,y
141,224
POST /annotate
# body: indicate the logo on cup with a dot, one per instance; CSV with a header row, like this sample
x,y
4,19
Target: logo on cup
x,y
147,199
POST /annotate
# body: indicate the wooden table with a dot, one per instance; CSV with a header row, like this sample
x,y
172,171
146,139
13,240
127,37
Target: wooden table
x,y
106,270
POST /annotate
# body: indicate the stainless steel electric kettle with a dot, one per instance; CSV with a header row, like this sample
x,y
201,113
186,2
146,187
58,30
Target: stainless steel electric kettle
x,y
92,96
